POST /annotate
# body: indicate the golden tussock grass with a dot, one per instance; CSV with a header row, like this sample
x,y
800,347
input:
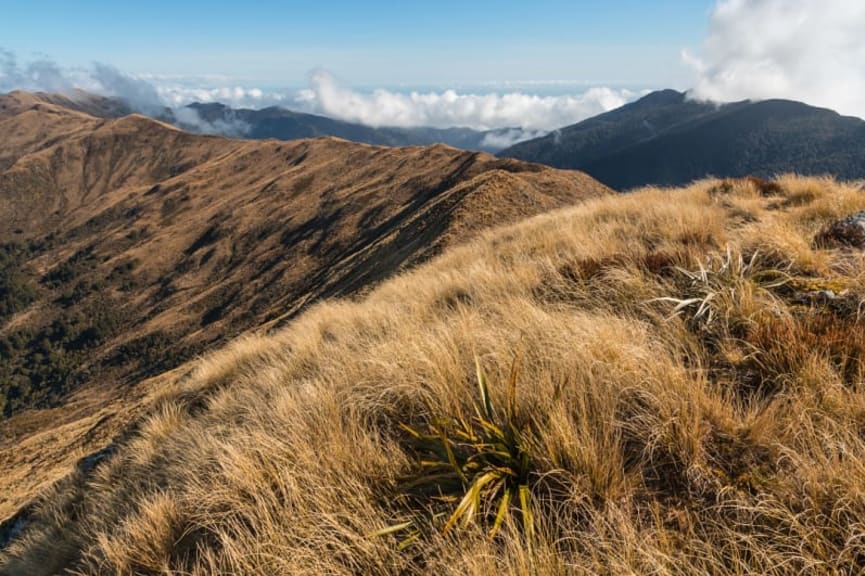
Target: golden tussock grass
x,y
695,405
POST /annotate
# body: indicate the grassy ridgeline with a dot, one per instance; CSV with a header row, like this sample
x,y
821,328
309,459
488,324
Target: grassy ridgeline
x,y
691,403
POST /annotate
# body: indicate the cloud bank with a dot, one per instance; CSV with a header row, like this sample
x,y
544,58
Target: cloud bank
x,y
505,138
139,94
176,93
514,115
324,95
450,108
808,50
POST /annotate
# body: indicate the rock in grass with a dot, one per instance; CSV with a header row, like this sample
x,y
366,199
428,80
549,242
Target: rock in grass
x,y
849,231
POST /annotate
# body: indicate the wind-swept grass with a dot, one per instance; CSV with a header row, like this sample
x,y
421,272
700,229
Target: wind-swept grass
x,y
689,400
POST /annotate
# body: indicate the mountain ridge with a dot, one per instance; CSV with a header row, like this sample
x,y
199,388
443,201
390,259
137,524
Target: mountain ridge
x,y
133,246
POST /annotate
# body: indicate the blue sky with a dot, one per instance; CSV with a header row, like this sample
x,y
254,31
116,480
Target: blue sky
x,y
371,42
535,64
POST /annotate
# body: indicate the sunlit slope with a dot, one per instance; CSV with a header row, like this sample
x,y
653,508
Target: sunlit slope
x,y
686,399
129,247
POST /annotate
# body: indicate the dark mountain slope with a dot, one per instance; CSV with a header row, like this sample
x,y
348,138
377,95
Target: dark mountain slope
x,y
665,139
618,129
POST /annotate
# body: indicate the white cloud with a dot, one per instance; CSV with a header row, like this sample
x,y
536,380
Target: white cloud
x,y
139,94
808,50
442,109
501,139
175,94
40,74
190,119
515,115
451,108
46,76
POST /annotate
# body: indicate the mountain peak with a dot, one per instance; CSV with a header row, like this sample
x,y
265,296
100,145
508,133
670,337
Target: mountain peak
x,y
667,139
662,98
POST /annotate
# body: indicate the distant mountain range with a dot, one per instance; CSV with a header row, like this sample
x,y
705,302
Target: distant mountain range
x,y
284,124
667,139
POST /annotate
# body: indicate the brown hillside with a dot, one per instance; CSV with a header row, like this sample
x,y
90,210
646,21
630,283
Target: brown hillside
x,y
668,382
28,124
131,246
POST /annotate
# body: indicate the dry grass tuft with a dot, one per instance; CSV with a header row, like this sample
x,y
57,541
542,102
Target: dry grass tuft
x,y
691,384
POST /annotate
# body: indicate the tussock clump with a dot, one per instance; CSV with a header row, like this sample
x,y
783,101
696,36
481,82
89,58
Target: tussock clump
x,y
683,405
